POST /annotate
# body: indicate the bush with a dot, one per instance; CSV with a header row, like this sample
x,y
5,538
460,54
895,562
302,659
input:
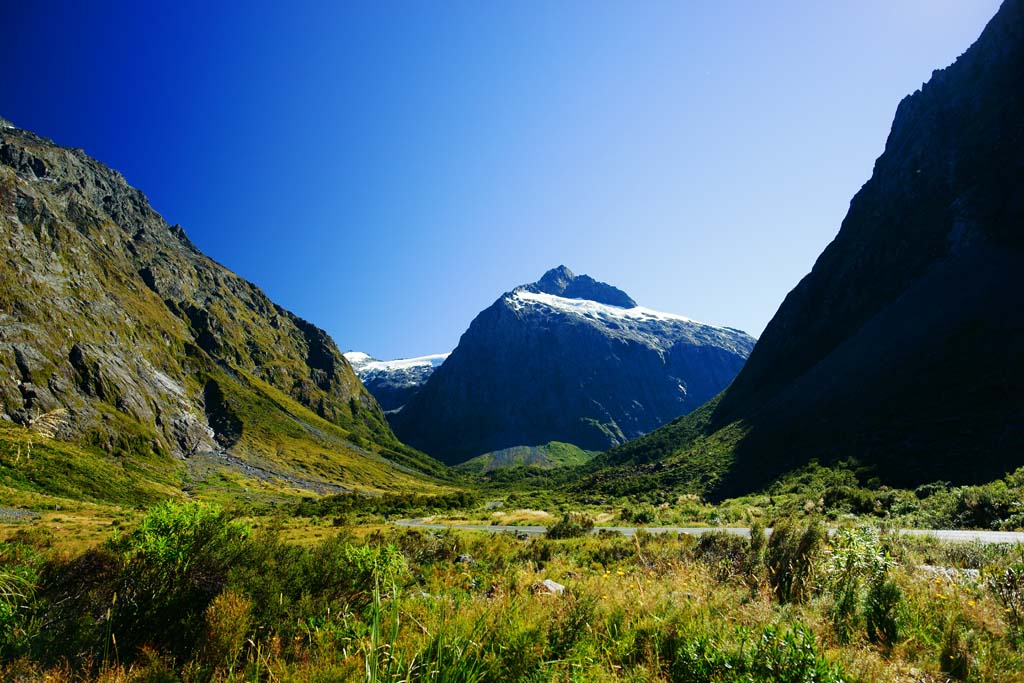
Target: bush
x,y
854,561
726,553
881,611
228,625
388,504
74,597
176,563
756,555
790,656
995,505
1008,587
430,546
641,514
151,586
16,586
572,525
789,559
973,555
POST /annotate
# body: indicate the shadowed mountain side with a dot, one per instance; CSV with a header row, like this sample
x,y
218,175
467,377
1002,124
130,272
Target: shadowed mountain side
x,y
904,346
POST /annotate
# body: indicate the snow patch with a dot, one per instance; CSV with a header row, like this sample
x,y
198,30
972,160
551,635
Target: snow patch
x,y
364,363
592,309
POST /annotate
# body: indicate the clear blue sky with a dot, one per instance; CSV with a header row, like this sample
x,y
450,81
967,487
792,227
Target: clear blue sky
x,y
386,170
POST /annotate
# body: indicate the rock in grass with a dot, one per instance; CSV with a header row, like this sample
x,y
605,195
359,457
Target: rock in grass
x,y
548,586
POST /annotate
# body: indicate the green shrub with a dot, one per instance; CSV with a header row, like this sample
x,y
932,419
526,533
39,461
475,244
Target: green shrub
x,y
75,599
16,588
388,504
855,560
973,555
176,563
777,656
882,611
427,547
228,626
789,559
754,569
611,550
378,566
724,552
571,525
792,656
640,514
995,505
1007,584
840,498
150,586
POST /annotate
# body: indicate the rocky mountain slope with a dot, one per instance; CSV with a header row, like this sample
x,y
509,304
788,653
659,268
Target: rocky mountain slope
x,y
904,346
112,315
394,382
569,359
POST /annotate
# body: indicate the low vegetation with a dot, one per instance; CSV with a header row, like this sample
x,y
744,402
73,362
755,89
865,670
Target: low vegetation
x,y
109,573
388,504
192,593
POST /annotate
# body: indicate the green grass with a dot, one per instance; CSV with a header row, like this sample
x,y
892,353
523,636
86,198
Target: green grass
x,y
679,458
204,596
280,434
38,472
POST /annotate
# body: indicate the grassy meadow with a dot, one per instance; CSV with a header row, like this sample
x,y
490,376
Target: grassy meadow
x,y
186,591
118,567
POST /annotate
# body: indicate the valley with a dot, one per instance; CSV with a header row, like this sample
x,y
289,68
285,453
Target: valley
x,y
196,484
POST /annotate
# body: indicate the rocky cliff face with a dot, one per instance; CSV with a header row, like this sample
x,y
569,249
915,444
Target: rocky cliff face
x,y
567,359
394,382
904,346
112,314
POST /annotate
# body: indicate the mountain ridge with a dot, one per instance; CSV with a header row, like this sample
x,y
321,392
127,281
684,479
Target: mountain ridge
x,y
394,382
901,347
536,367
114,316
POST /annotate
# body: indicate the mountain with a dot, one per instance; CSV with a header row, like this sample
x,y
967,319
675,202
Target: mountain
x,y
147,348
545,456
904,346
570,359
393,382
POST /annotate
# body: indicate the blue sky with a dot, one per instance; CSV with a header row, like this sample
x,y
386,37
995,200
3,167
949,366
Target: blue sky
x,y
387,169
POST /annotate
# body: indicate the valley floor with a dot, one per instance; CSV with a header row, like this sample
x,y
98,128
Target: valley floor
x,y
188,592
963,535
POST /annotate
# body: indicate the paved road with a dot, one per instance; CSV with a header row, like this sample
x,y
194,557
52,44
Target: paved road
x,y
941,534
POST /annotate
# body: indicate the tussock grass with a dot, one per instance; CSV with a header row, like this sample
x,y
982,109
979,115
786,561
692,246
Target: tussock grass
x,y
190,593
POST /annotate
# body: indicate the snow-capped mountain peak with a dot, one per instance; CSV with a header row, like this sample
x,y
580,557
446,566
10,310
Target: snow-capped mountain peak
x,y
364,362
656,329
394,382
567,358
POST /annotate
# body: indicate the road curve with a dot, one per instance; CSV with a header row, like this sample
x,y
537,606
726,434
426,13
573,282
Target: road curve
x,y
941,534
